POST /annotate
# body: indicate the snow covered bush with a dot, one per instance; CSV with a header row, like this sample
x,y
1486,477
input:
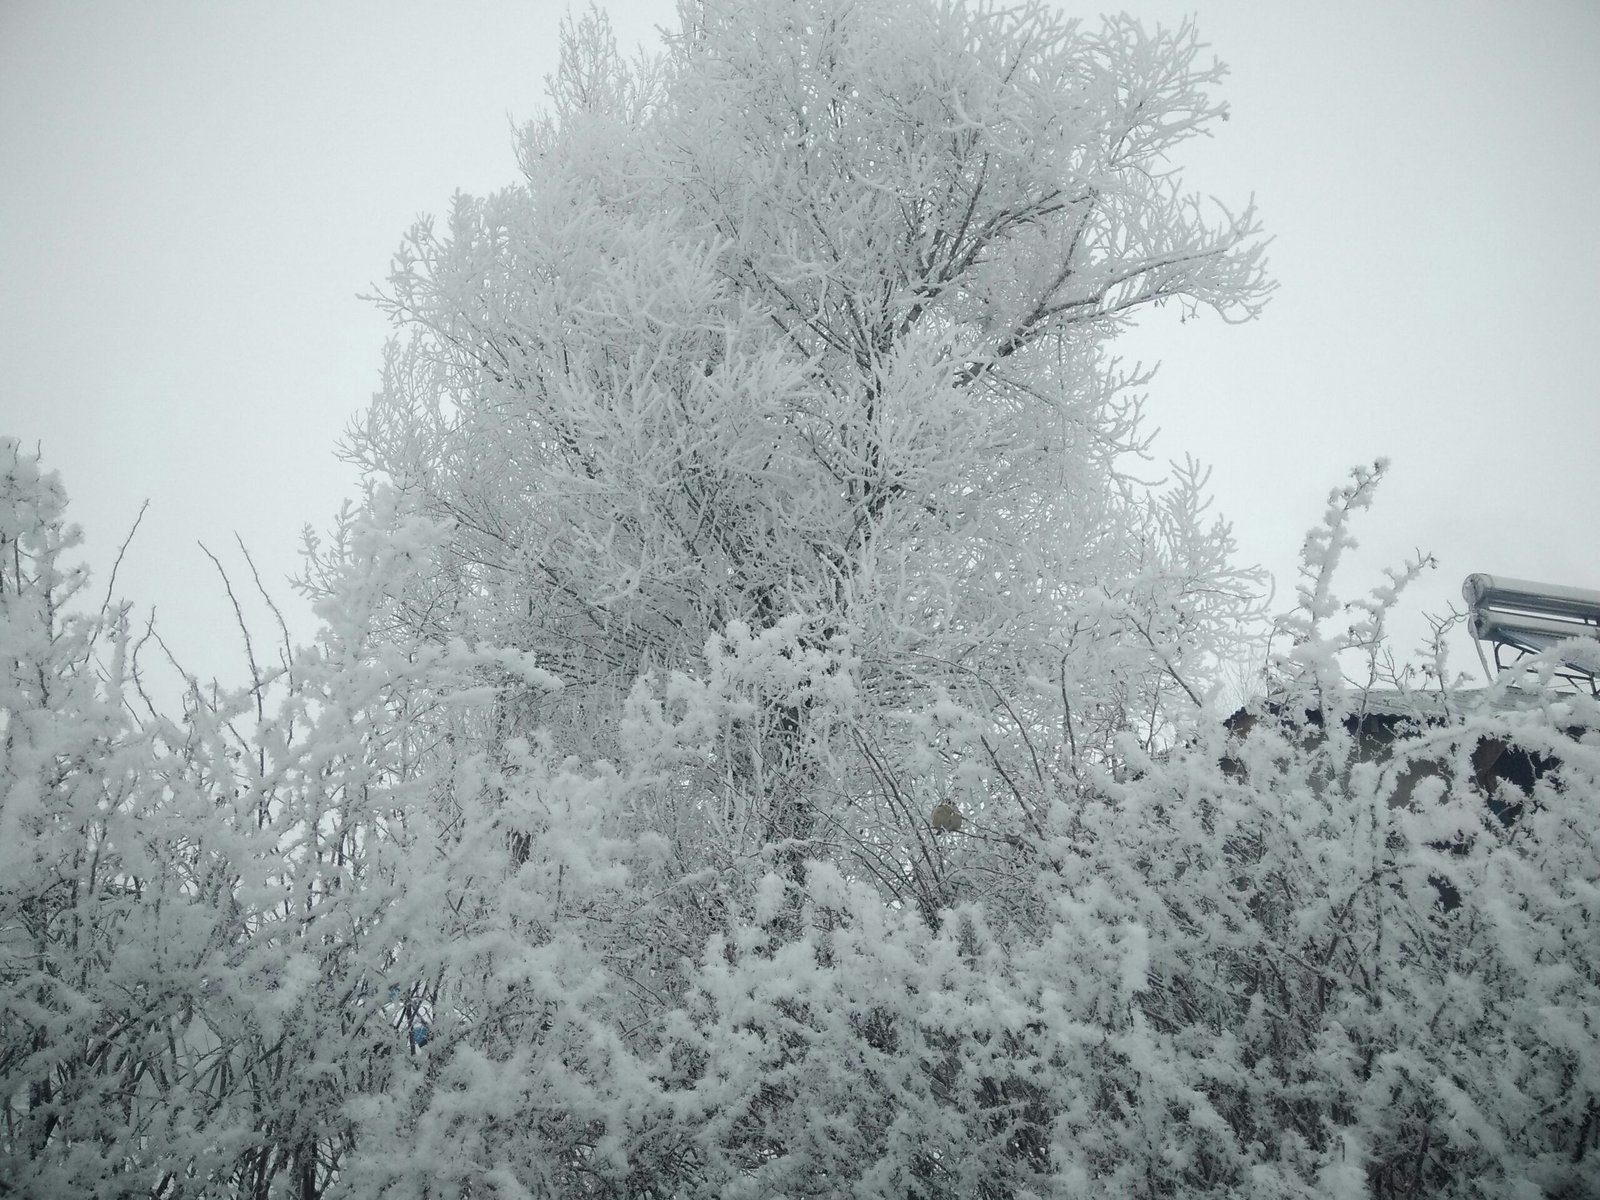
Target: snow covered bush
x,y
101,954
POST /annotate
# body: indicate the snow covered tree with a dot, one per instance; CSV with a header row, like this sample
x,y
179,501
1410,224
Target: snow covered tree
x,y
777,407
776,415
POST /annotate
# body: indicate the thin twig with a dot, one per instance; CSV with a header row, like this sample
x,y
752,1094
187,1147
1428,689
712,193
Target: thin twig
x,y
283,626
116,566
256,683
111,583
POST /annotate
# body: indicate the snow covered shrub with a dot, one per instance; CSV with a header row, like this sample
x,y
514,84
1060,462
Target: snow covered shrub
x,y
1371,956
113,888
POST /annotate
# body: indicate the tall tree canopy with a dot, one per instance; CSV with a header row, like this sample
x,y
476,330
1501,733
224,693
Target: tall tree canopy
x,y
788,369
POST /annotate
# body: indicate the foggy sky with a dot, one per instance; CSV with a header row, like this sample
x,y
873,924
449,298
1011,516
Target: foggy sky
x,y
194,196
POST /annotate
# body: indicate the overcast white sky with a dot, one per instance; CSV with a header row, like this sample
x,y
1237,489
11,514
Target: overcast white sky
x,y
194,194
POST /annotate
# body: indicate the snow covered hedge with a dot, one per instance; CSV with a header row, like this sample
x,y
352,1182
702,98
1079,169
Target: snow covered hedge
x,y
358,952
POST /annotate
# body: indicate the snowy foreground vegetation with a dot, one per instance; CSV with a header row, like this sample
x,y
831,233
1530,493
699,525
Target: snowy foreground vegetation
x,y
762,739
